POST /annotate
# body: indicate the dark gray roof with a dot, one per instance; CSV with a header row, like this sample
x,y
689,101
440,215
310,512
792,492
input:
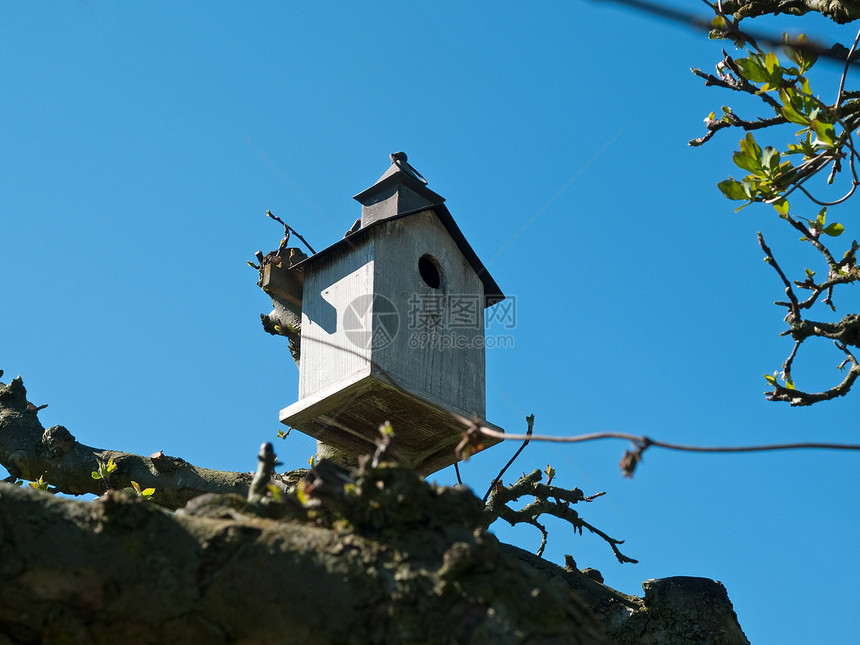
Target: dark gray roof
x,y
402,192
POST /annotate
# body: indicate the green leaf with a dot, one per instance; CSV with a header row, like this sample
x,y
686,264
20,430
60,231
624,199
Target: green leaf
x,y
771,62
732,188
806,89
301,495
752,69
834,230
750,148
793,115
770,379
781,206
809,56
793,55
825,132
744,161
95,475
809,273
770,159
789,384
804,58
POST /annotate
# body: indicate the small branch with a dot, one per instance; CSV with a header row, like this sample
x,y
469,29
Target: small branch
x,y
266,460
530,420
845,70
612,542
786,366
715,125
840,12
835,202
789,291
798,398
290,229
846,331
548,500
841,277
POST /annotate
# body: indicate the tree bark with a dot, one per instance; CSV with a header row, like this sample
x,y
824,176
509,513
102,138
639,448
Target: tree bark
x,y
375,555
840,11
418,569
122,570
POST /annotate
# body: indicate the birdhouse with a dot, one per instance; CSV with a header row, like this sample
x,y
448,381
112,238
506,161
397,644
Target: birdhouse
x,y
392,328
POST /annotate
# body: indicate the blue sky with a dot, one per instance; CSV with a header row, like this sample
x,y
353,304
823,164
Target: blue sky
x,y
143,143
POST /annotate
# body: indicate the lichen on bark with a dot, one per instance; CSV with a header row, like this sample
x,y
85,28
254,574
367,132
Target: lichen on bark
x,y
840,11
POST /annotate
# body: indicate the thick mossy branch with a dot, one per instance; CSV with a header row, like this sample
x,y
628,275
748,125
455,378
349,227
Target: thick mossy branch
x,y
29,451
548,500
410,564
373,555
840,11
846,331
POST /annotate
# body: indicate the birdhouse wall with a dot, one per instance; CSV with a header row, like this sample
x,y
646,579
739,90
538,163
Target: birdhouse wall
x,y
367,312
331,352
438,350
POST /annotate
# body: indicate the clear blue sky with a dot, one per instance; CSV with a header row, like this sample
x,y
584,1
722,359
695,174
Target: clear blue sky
x,y
143,143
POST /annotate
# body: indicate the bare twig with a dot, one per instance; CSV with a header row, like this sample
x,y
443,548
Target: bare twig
x,y
548,500
457,473
290,229
266,460
789,291
530,420
800,398
845,70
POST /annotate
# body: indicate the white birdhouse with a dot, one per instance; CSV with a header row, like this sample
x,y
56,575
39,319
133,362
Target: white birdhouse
x,y
392,328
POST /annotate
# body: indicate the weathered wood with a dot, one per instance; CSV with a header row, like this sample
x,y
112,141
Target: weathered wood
x,y
283,282
348,415
392,328
381,343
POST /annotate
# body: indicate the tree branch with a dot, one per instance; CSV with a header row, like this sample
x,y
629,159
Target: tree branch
x,y
840,11
548,500
530,420
29,451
